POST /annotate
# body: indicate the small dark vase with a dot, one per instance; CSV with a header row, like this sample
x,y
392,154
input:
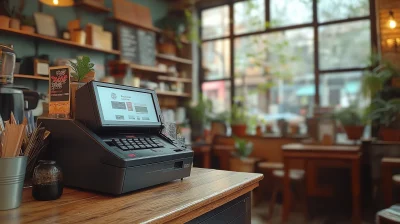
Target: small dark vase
x,y
47,181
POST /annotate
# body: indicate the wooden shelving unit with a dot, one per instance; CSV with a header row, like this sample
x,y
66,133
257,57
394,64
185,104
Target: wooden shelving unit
x,y
148,69
93,7
174,59
174,79
154,29
57,40
170,93
31,77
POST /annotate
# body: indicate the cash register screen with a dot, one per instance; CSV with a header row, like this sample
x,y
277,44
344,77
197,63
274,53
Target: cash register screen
x,y
126,106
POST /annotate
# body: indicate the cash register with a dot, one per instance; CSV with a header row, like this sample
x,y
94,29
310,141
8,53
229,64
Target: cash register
x,y
116,143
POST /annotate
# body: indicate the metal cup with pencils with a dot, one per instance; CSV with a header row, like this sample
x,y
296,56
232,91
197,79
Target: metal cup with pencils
x,y
18,148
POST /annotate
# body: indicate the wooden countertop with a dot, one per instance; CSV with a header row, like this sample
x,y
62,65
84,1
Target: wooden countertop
x,y
174,202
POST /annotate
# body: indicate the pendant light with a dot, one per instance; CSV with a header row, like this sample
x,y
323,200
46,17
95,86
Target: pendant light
x,y
60,3
392,21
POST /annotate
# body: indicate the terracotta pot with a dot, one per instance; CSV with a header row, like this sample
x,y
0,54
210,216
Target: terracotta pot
x,y
354,132
74,86
239,129
242,164
259,131
15,23
167,48
268,128
4,22
89,77
389,134
294,129
28,29
395,82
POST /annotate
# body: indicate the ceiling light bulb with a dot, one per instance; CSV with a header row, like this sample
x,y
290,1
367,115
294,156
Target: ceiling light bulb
x,y
55,2
392,24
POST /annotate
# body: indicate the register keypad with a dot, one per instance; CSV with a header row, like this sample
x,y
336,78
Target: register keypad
x,y
137,143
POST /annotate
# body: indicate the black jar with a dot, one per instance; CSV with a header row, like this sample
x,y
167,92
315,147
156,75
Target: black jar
x,y
47,181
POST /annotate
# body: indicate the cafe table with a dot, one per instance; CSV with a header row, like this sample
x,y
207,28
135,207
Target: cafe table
x,y
207,196
345,155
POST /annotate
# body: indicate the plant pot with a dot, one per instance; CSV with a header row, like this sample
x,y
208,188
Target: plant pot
x,y
294,129
268,128
15,23
4,22
28,29
239,129
389,134
242,164
74,86
167,48
395,82
259,131
89,77
354,132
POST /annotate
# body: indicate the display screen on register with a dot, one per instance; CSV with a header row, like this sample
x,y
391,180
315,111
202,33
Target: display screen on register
x,y
125,105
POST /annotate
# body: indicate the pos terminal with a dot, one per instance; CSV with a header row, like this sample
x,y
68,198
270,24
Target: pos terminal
x,y
115,144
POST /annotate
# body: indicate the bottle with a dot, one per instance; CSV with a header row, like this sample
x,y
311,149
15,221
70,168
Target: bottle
x,y
47,181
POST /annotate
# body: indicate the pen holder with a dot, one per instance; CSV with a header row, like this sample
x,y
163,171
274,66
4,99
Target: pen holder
x,y
12,175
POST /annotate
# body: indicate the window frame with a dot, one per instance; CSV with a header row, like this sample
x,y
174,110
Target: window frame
x,y
314,24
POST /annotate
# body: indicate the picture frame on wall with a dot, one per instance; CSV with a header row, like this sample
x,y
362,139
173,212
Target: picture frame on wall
x,y
45,24
41,67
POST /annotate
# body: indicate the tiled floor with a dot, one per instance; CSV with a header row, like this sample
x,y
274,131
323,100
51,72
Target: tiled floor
x,y
260,212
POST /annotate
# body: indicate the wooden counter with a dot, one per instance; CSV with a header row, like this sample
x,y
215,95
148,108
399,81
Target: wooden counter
x,y
204,192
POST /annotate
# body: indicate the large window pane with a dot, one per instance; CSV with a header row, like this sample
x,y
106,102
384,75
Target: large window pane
x,y
290,12
219,92
340,89
329,10
216,59
277,55
249,16
344,45
215,22
274,73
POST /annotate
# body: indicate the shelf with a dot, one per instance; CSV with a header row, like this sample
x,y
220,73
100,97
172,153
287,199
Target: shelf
x,y
174,59
154,29
93,7
145,68
174,79
171,93
57,40
31,77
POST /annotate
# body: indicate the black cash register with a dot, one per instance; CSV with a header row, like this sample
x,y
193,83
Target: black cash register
x,y
116,144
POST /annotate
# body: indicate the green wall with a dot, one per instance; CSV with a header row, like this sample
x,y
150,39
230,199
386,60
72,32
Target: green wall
x,y
26,47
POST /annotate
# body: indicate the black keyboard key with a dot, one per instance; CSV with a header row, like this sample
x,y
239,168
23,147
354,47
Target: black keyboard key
x,y
142,146
155,146
131,147
148,146
124,148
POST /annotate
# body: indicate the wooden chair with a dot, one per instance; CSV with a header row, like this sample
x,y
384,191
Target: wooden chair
x,y
388,180
297,182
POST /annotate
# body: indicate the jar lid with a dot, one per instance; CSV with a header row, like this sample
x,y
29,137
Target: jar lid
x,y
51,162
6,48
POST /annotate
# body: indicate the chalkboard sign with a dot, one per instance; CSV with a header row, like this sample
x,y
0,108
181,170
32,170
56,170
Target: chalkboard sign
x,y
59,91
137,45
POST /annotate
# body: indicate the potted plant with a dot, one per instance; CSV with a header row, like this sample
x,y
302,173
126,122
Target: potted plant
x,y
199,116
5,14
388,114
28,24
239,161
352,121
373,81
83,73
238,120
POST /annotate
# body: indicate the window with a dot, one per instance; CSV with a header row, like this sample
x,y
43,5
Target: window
x,y
280,49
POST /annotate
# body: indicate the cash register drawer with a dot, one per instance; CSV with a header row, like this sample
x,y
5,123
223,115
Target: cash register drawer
x,y
147,175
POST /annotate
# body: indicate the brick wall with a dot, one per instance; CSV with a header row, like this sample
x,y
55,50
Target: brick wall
x,y
388,52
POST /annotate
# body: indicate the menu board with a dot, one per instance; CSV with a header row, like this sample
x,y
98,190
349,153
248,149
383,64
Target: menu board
x,y
59,91
137,45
